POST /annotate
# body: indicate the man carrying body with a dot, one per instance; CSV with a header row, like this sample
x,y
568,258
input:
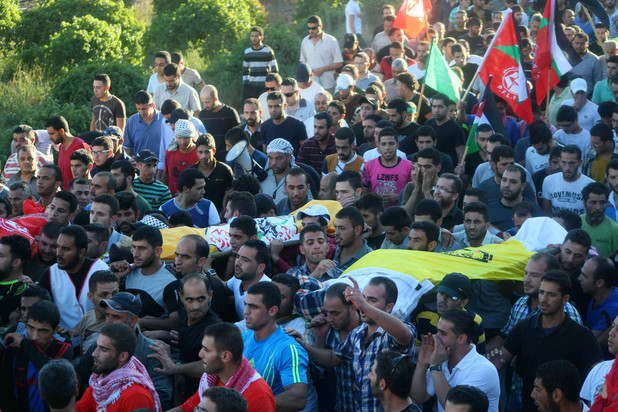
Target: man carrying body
x,y
298,190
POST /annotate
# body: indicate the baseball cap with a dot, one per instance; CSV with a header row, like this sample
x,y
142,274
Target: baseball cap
x,y
124,302
344,81
303,73
146,155
178,114
349,40
578,85
184,128
456,285
370,101
315,211
113,131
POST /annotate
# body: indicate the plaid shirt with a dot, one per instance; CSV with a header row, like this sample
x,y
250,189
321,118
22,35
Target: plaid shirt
x,y
363,359
309,300
589,156
310,153
521,310
345,376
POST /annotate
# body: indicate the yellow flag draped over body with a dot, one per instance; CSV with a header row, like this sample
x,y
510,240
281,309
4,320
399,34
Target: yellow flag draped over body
x,y
504,261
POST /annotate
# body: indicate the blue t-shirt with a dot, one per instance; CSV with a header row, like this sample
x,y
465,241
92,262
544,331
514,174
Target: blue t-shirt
x,y
140,136
279,359
292,130
602,316
204,212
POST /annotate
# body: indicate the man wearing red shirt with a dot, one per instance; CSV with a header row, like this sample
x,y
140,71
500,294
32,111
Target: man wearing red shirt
x,y
59,133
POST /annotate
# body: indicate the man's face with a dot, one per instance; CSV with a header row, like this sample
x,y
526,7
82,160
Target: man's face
x,y
279,162
146,171
543,400
68,256
460,20
124,220
345,233
422,52
291,95
145,110
113,318
551,300
444,193
501,164
20,139
160,64
481,139
56,136
256,314
388,147
580,45
376,390
315,30
106,360
569,165
144,255
186,260
586,277
446,302
511,185
475,226
533,273
24,306
344,149
595,207
79,169
210,356
609,4
344,190
17,198
99,186
4,212
41,333
554,165
397,35
599,146
460,59
99,88
474,31
314,247
395,117
296,188
46,182
417,240
101,213
395,236
252,114
612,342
439,110
27,160
395,53
321,103
47,249
612,179
208,101
197,191
276,108
6,262
100,155
568,18
335,114
447,335
612,69
365,110
121,180
534,27
429,169
96,249
104,291
172,81
338,315
196,299
287,300
371,219
255,37
82,193
237,238
320,130
424,142
542,148
59,211
361,65
369,129
375,296
246,266
572,256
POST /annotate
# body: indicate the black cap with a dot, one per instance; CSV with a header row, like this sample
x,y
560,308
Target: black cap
x,y
370,101
146,155
303,73
178,114
456,285
349,40
124,302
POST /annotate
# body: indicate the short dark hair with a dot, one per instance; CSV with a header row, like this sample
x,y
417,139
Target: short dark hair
x,y
227,337
396,370
463,322
560,278
603,132
472,396
371,202
502,151
474,21
122,336
345,133
243,202
36,292
551,262
236,135
397,217
428,207
571,219
431,230
566,114
399,105
202,249
352,214
339,106
245,224
479,193
169,106
69,198
539,133
7,205
188,178
103,141
276,95
206,139
227,399
525,208
595,188
311,228
517,169
604,270
171,69
387,131
181,218
246,183
125,166
108,200
150,234
353,177
126,201
82,155
457,182
336,290
142,97
613,163
262,252
78,234
164,55
290,81
57,171
298,171
19,247
111,180
288,280
52,230
477,207
324,116
426,131
560,374
100,233
101,276
430,153
390,288
57,383
176,57
45,311
579,236
441,96
57,123
271,295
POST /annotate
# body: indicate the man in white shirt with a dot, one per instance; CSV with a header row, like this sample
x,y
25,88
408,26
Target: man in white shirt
x,y
570,130
307,87
587,112
321,52
353,18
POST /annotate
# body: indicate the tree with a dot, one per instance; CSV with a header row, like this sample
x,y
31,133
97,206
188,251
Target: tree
x,y
9,16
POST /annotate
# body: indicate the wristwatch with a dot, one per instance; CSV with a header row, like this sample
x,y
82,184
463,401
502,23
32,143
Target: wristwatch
x,y
437,367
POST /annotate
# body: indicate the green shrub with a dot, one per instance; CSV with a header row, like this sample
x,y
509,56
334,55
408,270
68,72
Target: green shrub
x,y
9,17
286,45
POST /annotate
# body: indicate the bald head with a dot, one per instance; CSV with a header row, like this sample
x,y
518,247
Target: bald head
x,y
327,186
209,97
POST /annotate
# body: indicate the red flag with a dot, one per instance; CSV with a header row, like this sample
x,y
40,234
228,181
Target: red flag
x,y
503,61
412,17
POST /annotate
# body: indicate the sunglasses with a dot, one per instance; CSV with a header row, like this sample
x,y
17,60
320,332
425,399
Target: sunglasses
x,y
395,362
271,89
311,28
289,94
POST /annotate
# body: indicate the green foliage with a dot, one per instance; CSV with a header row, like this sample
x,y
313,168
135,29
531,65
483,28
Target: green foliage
x,y
332,13
286,45
211,26
9,16
38,27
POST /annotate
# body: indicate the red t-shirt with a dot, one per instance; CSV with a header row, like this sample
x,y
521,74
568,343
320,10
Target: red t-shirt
x,y
64,159
175,163
259,398
134,397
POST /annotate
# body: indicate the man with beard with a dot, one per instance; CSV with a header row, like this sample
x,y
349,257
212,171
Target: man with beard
x,y
451,138
446,193
149,278
80,187
346,157
422,53
573,254
66,280
46,253
557,386
252,112
223,364
14,253
127,212
406,130
175,88
511,186
297,189
280,124
546,336
448,359
62,207
124,173
351,246
476,226
258,61
104,211
49,181
501,157
116,371
602,230
391,378
59,134
315,149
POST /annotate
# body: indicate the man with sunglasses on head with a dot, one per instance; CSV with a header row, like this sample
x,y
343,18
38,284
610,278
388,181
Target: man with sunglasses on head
x,y
391,378
321,52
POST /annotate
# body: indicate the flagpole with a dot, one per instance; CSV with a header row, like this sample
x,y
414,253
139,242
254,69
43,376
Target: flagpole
x,y
547,97
595,32
420,102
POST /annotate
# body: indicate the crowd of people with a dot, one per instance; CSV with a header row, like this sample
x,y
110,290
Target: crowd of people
x,y
95,319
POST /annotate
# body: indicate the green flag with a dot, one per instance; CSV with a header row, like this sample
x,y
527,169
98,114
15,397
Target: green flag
x,y
440,77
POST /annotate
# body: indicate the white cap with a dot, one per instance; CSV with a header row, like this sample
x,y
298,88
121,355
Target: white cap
x,y
315,211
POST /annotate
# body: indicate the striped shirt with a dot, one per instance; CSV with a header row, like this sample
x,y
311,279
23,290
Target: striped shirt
x,y
156,193
310,152
256,64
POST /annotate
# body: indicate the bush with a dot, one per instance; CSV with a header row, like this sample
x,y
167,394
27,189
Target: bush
x,y
37,27
9,17
286,45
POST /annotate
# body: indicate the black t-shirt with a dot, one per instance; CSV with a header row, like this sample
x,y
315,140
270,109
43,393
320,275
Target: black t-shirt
x,y
292,130
9,298
450,135
78,278
473,161
474,43
217,124
455,34
375,242
454,217
217,183
537,179
357,128
406,138
425,107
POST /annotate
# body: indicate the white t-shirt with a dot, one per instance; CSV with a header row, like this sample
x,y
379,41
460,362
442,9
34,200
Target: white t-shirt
x,y
418,73
582,139
352,8
595,380
373,153
153,285
565,195
535,161
310,92
239,298
588,116
153,83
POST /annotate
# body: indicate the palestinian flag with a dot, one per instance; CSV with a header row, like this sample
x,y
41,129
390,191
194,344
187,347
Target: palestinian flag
x,y
412,17
439,75
503,61
549,63
487,113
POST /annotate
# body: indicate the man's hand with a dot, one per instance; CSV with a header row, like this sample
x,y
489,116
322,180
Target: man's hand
x,y
320,327
347,201
418,180
427,347
13,339
276,246
121,268
318,71
389,198
163,355
27,280
460,169
296,335
323,267
354,295
495,357
367,231
447,239
427,183
440,352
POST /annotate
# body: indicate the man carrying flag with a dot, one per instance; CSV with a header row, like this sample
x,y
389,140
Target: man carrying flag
x,y
439,75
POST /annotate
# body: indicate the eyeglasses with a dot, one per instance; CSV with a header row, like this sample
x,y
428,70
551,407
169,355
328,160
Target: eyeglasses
x,y
395,362
441,189
289,94
311,28
100,153
271,89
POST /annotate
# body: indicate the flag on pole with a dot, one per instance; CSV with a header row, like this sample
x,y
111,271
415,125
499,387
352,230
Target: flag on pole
x,y
503,61
439,75
487,113
549,60
412,17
